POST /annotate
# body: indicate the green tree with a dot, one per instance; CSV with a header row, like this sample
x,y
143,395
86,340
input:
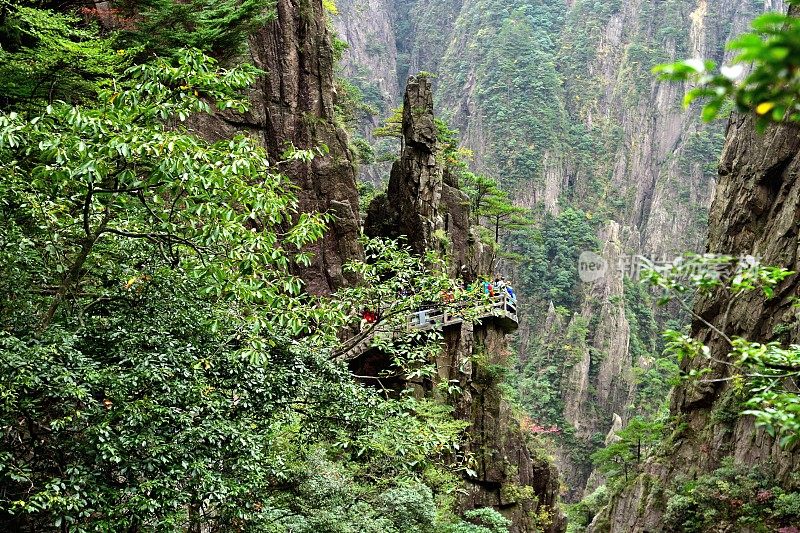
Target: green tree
x,y
164,27
117,170
48,55
628,448
162,368
491,205
504,215
392,126
481,190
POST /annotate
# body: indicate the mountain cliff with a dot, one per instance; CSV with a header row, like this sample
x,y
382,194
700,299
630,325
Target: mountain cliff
x,y
292,106
755,212
558,101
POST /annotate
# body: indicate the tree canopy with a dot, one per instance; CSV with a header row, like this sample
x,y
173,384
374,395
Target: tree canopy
x,y
163,368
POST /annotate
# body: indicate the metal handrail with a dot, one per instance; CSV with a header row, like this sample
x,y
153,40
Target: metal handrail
x,y
425,319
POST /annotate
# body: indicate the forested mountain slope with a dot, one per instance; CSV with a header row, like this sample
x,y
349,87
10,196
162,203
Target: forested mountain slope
x,y
557,101
184,277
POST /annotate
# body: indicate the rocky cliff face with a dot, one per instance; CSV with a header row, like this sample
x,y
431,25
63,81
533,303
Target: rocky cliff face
x,y
578,64
598,383
298,91
509,475
367,27
422,197
756,211
292,106
612,380
659,162
559,102
586,67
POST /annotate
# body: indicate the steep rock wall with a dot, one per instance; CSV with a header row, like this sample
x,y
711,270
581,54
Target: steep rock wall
x,y
598,382
298,90
367,27
582,64
511,473
659,158
292,105
636,157
756,211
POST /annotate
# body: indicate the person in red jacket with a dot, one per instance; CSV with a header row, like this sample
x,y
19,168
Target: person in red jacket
x,y
370,317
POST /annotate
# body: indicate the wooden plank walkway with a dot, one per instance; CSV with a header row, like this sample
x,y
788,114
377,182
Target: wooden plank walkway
x,y
500,306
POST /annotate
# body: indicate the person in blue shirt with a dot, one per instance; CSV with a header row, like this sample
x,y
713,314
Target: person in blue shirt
x,y
511,293
512,296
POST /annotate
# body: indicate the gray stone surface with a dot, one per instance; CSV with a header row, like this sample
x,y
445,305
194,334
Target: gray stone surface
x,y
756,211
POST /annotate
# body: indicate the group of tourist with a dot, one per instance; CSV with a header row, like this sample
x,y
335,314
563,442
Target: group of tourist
x,y
496,287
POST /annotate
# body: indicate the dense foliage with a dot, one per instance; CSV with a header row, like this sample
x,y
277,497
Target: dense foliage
x,y
491,205
162,367
48,55
164,27
736,497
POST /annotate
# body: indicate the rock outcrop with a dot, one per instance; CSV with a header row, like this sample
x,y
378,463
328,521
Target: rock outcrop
x,y
292,106
756,211
411,205
424,199
296,52
510,474
423,203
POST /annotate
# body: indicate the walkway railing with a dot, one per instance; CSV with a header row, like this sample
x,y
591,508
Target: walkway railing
x,y
501,305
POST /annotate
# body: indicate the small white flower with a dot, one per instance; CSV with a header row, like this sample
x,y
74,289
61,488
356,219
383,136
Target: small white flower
x,y
697,64
732,72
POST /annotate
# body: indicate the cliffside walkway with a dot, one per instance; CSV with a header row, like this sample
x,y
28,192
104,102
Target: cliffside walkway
x,y
501,308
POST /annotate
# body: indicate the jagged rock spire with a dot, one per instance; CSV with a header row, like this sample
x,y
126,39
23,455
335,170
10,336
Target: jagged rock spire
x,y
411,204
